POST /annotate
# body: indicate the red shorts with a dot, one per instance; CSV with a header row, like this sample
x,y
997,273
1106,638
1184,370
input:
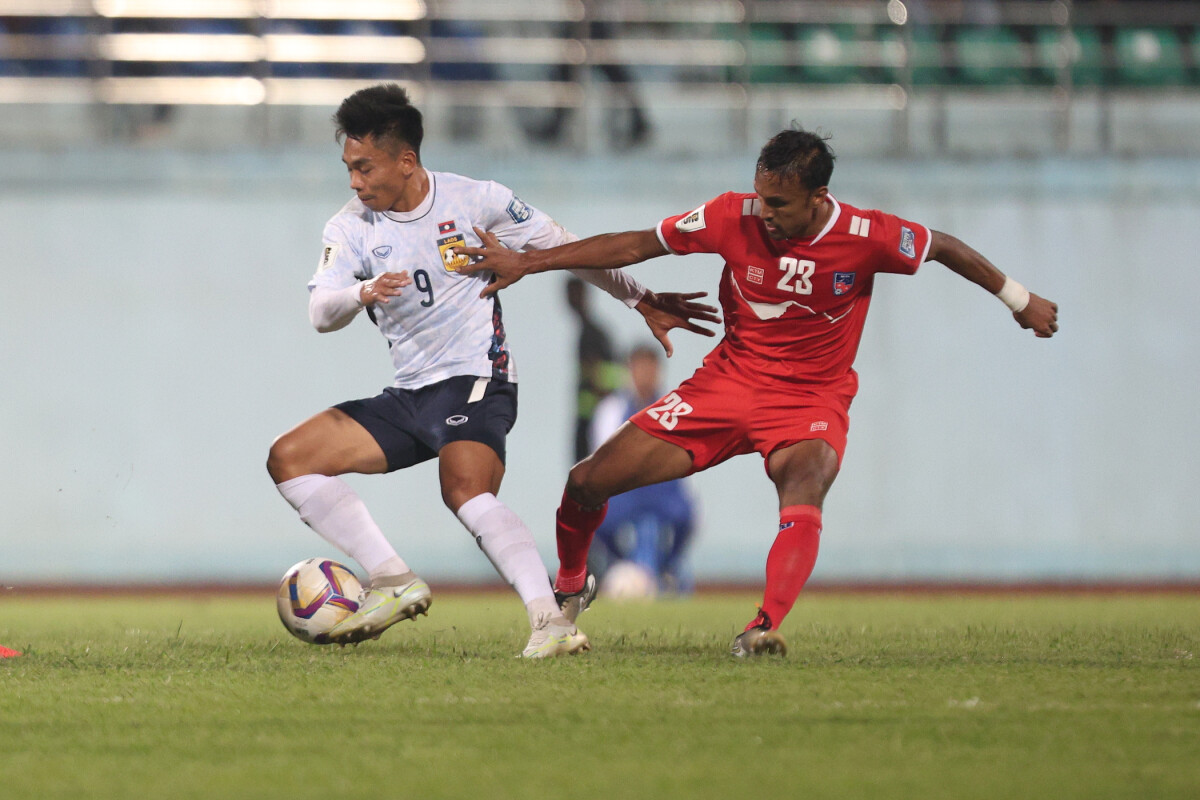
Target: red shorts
x,y
723,411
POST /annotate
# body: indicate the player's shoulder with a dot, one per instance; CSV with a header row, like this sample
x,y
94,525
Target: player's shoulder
x,y
475,196
349,222
353,211
723,207
881,229
455,181
740,204
868,223
452,184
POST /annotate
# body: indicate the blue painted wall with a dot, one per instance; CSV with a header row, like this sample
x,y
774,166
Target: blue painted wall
x,y
154,339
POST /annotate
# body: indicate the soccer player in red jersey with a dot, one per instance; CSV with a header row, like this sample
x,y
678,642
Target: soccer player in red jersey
x,y
799,271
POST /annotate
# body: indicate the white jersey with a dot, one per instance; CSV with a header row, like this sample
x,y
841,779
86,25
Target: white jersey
x,y
439,327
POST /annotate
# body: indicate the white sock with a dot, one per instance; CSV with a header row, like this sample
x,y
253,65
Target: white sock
x,y
509,545
331,508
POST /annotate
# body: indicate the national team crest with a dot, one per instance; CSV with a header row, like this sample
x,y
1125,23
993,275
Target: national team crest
x,y
453,258
842,282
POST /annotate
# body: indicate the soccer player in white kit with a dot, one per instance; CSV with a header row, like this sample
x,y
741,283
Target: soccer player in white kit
x,y
393,251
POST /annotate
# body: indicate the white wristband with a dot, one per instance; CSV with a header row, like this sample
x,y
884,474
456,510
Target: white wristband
x,y
1013,295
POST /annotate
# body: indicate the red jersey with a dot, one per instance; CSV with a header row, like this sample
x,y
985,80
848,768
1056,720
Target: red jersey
x,y
795,309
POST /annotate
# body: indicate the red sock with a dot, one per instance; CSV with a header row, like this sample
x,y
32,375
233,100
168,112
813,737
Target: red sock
x,y
574,528
791,560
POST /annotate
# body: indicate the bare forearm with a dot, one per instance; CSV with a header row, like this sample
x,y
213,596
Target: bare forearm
x,y
1029,310
966,261
606,251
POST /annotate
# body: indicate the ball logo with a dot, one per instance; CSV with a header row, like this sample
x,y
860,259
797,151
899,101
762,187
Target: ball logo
x,y
328,256
457,419
692,222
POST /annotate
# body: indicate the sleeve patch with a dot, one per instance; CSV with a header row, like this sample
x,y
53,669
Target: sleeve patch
x,y
908,242
328,256
519,211
692,222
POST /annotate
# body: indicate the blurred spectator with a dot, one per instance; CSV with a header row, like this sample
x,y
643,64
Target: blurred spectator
x,y
639,548
628,124
599,372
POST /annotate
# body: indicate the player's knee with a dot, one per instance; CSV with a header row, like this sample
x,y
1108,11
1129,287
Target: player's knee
x,y
454,497
807,479
282,459
457,489
582,486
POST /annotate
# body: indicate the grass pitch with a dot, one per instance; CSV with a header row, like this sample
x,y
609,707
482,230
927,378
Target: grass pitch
x,y
882,696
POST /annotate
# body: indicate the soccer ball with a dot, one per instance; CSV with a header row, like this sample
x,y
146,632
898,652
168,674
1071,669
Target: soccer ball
x,y
315,595
626,580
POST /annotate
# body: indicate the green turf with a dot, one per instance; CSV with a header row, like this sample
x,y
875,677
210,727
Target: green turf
x,y
882,697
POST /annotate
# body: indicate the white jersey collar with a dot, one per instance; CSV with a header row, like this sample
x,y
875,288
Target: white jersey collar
x,y
833,218
422,208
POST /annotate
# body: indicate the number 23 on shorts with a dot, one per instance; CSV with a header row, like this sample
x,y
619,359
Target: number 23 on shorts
x,y
669,410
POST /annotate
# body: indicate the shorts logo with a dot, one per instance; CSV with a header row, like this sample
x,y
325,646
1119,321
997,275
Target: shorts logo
x,y
843,282
452,259
755,274
383,251
519,211
446,227
818,426
457,419
692,222
328,256
908,242
783,526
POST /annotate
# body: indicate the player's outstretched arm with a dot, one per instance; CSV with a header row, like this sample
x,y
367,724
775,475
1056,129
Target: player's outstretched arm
x,y
606,251
1029,310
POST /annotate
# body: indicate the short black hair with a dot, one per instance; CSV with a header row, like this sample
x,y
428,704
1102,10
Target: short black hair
x,y
382,112
797,154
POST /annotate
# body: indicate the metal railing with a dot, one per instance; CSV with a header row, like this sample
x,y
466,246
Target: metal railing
x,y
544,53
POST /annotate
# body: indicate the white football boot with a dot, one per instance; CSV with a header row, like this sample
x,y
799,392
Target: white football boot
x,y
555,636
387,601
575,603
759,639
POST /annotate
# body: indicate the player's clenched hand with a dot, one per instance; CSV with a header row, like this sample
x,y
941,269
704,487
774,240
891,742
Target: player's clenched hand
x,y
505,264
381,287
668,310
1040,314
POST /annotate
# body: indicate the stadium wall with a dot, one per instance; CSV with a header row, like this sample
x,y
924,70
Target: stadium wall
x,y
154,340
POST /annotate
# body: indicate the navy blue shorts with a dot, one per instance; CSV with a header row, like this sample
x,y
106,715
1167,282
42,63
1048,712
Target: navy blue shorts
x,y
413,425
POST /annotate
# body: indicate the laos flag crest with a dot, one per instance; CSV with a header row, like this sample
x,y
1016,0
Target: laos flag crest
x,y
842,282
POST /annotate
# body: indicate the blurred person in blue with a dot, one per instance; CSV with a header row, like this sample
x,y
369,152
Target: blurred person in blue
x,y
651,526
598,371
